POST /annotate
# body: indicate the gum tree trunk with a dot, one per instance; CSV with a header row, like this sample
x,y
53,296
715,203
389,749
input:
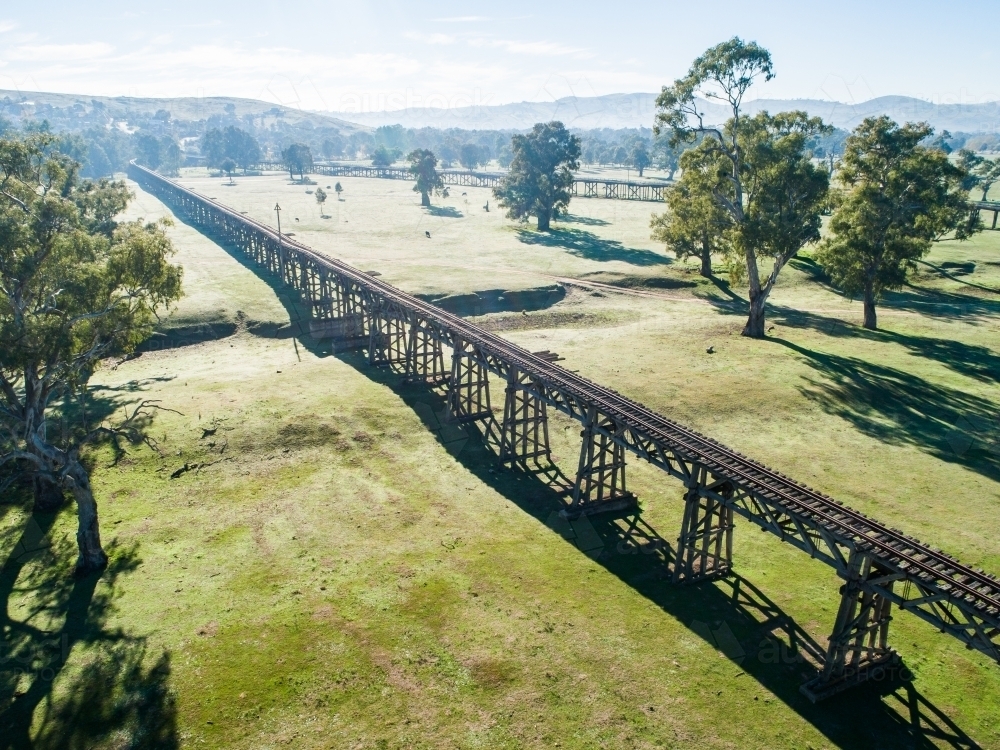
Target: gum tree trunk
x,y
706,258
88,535
425,199
544,218
871,318
758,298
754,327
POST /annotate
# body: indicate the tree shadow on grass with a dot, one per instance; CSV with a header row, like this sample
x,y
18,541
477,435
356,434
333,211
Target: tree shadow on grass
x,y
589,221
448,212
933,303
971,360
588,245
899,408
948,275
109,694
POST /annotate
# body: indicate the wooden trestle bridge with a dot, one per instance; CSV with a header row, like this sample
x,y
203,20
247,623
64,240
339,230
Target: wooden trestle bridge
x,y
583,187
979,206
881,567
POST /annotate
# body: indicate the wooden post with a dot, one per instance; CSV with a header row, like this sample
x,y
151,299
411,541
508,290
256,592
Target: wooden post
x,y
386,338
424,358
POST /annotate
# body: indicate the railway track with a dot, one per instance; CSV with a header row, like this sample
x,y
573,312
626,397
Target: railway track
x,y
871,556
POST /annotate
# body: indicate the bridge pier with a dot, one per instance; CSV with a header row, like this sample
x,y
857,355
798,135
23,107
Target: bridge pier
x,y
524,433
600,477
468,386
337,312
424,358
705,543
859,648
386,338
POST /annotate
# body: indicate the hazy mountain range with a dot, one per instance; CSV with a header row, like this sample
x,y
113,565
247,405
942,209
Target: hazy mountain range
x,y
638,110
19,105
610,111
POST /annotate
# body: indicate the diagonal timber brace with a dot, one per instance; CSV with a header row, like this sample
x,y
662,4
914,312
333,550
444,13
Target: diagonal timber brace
x,y
424,357
387,338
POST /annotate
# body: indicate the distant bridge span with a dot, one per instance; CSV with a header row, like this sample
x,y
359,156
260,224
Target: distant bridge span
x,y
583,187
880,565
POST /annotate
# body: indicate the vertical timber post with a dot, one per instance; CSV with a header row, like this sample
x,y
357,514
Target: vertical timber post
x,y
705,543
600,477
859,646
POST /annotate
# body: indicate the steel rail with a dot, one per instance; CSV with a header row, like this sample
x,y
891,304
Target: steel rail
x,y
923,565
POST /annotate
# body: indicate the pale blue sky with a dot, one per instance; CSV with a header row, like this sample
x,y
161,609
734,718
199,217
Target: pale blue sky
x,y
342,56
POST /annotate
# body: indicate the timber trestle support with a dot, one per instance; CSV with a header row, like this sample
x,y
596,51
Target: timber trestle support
x,y
600,475
524,432
882,567
705,542
859,648
468,385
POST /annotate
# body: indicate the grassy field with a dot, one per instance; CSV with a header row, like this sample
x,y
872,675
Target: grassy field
x,y
315,560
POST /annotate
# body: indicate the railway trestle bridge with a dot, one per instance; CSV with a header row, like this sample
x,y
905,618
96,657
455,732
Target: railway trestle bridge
x,y
881,567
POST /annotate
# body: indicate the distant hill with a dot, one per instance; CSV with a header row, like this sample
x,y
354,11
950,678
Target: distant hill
x,y
611,111
91,110
637,110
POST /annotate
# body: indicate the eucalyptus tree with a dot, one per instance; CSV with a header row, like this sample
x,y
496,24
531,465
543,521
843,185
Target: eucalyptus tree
x,y
766,182
297,158
639,158
695,225
76,287
901,196
423,165
541,173
471,155
981,173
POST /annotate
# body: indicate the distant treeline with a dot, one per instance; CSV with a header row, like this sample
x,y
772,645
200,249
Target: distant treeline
x,y
104,145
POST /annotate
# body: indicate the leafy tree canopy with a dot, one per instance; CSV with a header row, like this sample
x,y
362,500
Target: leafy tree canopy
x,y
695,225
230,143
540,174
900,197
385,157
640,157
423,165
765,179
76,287
470,155
297,158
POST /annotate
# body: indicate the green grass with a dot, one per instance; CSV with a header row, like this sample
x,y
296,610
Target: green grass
x,y
339,569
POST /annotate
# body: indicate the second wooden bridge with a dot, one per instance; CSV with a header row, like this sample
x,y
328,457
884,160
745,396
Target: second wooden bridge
x,y
583,187
881,567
